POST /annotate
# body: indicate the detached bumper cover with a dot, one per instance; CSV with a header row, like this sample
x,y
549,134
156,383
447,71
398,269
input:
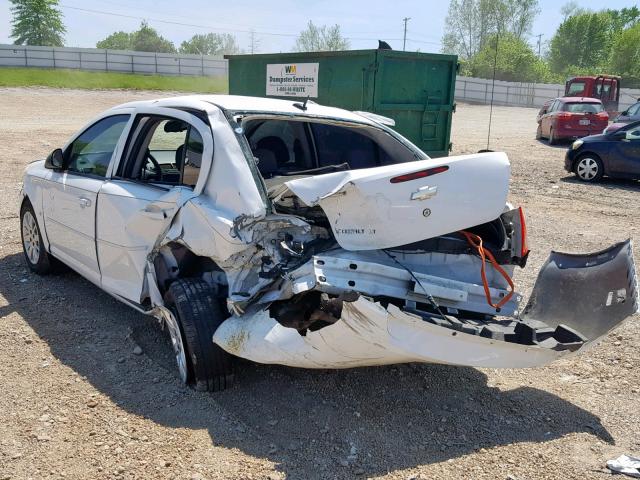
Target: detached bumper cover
x,y
586,295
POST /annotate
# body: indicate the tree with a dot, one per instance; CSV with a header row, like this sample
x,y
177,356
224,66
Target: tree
x,y
146,39
318,39
515,60
625,55
210,44
37,22
116,41
570,9
582,42
470,23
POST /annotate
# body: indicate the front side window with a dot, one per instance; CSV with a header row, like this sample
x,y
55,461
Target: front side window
x,y
166,151
91,152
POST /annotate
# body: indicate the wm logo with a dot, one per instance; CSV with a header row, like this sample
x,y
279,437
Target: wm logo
x,y
290,69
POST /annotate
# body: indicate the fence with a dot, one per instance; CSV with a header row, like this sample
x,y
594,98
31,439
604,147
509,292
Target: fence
x,y
478,90
468,89
111,60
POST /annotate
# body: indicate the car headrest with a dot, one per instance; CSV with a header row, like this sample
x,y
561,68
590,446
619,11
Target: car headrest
x,y
175,126
277,146
179,156
267,163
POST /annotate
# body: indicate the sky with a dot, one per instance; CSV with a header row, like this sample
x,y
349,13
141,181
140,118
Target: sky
x,y
276,24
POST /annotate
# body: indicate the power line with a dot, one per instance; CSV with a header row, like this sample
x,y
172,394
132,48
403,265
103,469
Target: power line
x,y
171,22
214,28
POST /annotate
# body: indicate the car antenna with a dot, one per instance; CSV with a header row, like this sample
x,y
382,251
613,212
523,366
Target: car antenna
x,y
302,106
493,87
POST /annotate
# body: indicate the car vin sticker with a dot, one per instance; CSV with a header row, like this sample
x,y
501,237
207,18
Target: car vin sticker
x,y
292,79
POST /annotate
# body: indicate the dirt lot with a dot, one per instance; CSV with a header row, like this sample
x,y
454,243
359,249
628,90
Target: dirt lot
x,y
76,402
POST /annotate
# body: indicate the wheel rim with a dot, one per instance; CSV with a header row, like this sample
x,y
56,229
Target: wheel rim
x,y
587,168
30,237
178,346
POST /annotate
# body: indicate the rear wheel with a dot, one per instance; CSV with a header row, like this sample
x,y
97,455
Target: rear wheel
x,y
539,132
589,168
552,138
37,258
195,316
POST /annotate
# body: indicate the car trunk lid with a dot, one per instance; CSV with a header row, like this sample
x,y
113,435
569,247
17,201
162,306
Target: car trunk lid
x,y
395,205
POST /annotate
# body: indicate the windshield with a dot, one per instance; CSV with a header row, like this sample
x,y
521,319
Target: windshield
x,y
583,107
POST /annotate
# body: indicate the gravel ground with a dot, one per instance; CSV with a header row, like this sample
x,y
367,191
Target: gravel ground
x,y
77,402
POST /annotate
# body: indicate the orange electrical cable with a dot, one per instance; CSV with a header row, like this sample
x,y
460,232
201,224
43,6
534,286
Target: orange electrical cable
x,y
476,242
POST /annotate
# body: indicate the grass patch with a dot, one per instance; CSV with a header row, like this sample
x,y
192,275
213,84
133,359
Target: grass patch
x,y
64,78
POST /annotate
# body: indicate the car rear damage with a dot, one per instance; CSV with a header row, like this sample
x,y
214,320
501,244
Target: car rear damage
x,y
373,269
411,261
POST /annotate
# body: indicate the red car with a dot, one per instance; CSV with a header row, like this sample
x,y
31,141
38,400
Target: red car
x,y
570,118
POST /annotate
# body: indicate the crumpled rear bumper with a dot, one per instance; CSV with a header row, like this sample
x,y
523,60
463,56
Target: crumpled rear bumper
x,y
584,295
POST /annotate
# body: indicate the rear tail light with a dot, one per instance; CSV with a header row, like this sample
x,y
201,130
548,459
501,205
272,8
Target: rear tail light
x,y
524,247
564,115
419,174
603,115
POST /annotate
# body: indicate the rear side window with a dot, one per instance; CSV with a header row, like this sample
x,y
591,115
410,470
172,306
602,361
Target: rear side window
x,y
583,107
91,152
336,145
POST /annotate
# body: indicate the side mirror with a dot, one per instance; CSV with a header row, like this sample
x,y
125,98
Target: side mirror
x,y
55,160
619,135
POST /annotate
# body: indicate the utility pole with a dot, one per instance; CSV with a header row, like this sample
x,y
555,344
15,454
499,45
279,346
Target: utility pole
x,y
539,43
404,41
255,43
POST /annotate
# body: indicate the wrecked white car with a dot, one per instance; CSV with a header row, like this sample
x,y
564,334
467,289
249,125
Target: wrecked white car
x,y
308,236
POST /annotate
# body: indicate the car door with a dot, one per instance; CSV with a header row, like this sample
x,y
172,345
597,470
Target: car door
x,y
626,154
71,194
547,117
167,160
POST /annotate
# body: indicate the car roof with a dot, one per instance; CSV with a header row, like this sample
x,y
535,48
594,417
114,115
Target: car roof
x,y
239,103
578,100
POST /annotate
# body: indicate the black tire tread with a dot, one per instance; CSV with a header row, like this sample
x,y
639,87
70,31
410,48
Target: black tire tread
x,y
199,314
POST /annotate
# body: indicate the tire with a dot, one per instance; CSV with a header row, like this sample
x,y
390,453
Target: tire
x,y
552,139
589,168
198,314
539,132
38,259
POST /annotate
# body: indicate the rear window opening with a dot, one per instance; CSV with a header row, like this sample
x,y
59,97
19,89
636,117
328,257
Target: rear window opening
x,y
583,107
286,148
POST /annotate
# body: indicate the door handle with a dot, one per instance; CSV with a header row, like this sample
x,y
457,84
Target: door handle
x,y
156,213
84,202
424,192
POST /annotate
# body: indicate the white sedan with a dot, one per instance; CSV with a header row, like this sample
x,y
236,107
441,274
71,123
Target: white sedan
x,y
309,236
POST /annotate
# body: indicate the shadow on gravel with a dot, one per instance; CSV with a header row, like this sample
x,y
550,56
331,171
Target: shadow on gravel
x,y
606,182
312,424
562,144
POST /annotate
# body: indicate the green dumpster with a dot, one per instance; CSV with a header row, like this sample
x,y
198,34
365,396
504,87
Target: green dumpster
x,y
414,89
